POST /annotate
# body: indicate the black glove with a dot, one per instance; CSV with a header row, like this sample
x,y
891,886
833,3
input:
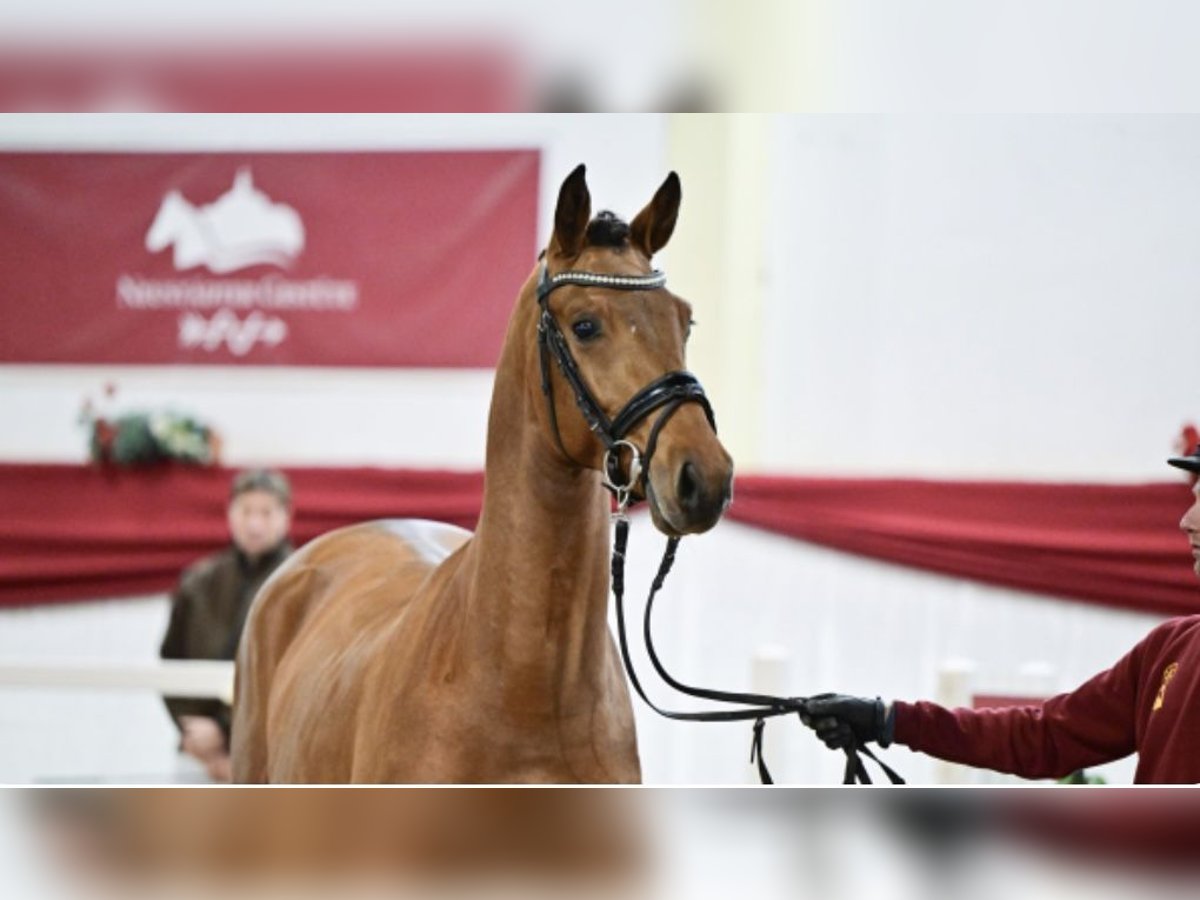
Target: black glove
x,y
841,721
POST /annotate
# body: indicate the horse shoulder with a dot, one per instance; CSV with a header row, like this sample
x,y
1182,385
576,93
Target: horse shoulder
x,y
316,625
346,564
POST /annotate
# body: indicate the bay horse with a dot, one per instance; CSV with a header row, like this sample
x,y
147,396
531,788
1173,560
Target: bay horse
x,y
412,651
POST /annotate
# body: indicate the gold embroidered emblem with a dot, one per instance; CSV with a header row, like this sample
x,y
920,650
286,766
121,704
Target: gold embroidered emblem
x,y
1168,674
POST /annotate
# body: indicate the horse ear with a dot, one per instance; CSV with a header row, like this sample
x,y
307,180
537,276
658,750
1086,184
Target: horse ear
x,y
652,227
572,214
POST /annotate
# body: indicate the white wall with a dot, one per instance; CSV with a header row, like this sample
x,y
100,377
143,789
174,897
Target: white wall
x,y
1017,56
398,417
847,625
277,415
977,296
983,296
986,297
63,735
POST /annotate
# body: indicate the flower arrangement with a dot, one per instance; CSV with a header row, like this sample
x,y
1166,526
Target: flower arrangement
x,y
1081,776
1189,438
139,439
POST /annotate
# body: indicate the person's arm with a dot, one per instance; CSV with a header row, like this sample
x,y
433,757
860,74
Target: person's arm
x,y
173,641
175,646
1091,725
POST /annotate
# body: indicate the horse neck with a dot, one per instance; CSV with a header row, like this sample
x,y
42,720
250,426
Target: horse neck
x,y
541,550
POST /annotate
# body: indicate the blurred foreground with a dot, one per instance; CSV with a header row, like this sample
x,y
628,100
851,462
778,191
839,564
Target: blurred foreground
x,y
1060,843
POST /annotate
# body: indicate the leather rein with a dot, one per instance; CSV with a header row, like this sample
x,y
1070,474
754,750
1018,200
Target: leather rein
x,y
668,393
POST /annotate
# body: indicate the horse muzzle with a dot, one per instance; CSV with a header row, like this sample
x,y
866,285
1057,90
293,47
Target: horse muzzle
x,y
689,495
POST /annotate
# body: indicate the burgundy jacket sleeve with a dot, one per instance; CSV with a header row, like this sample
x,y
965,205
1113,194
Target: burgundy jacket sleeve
x,y
1091,725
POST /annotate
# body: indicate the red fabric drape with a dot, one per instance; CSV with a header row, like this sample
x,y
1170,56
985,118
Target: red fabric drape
x,y
79,532
1112,544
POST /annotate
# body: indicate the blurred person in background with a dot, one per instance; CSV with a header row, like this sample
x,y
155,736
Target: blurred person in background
x,y
209,606
1148,703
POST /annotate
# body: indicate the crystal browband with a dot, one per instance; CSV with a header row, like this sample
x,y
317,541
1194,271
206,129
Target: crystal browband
x,y
655,279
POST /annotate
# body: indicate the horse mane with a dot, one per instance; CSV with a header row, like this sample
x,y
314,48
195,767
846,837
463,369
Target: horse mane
x,y
608,230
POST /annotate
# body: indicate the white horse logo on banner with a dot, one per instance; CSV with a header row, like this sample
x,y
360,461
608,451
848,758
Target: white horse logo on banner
x,y
241,228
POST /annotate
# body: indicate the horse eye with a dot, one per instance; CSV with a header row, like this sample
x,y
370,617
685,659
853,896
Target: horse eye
x,y
586,329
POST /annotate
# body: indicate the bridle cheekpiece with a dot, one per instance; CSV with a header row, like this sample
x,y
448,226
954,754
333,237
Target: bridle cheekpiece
x,y
672,390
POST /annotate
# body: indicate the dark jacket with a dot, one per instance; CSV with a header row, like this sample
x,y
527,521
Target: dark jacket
x,y
208,612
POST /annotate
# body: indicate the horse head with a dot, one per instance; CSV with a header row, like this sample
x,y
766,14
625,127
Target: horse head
x,y
174,215
608,315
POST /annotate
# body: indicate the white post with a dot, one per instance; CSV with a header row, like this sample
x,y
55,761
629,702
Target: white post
x,y
769,675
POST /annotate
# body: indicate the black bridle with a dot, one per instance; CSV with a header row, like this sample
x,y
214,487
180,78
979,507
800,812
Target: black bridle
x,y
669,393
671,390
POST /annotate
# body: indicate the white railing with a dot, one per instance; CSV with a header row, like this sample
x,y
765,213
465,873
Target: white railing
x,y
204,679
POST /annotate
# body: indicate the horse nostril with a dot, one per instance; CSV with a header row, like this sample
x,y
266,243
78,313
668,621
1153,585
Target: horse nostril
x,y
688,487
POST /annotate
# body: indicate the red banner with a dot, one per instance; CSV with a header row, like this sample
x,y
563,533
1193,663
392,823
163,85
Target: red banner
x,y
339,259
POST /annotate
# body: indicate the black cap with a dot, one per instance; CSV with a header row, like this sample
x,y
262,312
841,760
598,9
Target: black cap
x,y
1191,463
